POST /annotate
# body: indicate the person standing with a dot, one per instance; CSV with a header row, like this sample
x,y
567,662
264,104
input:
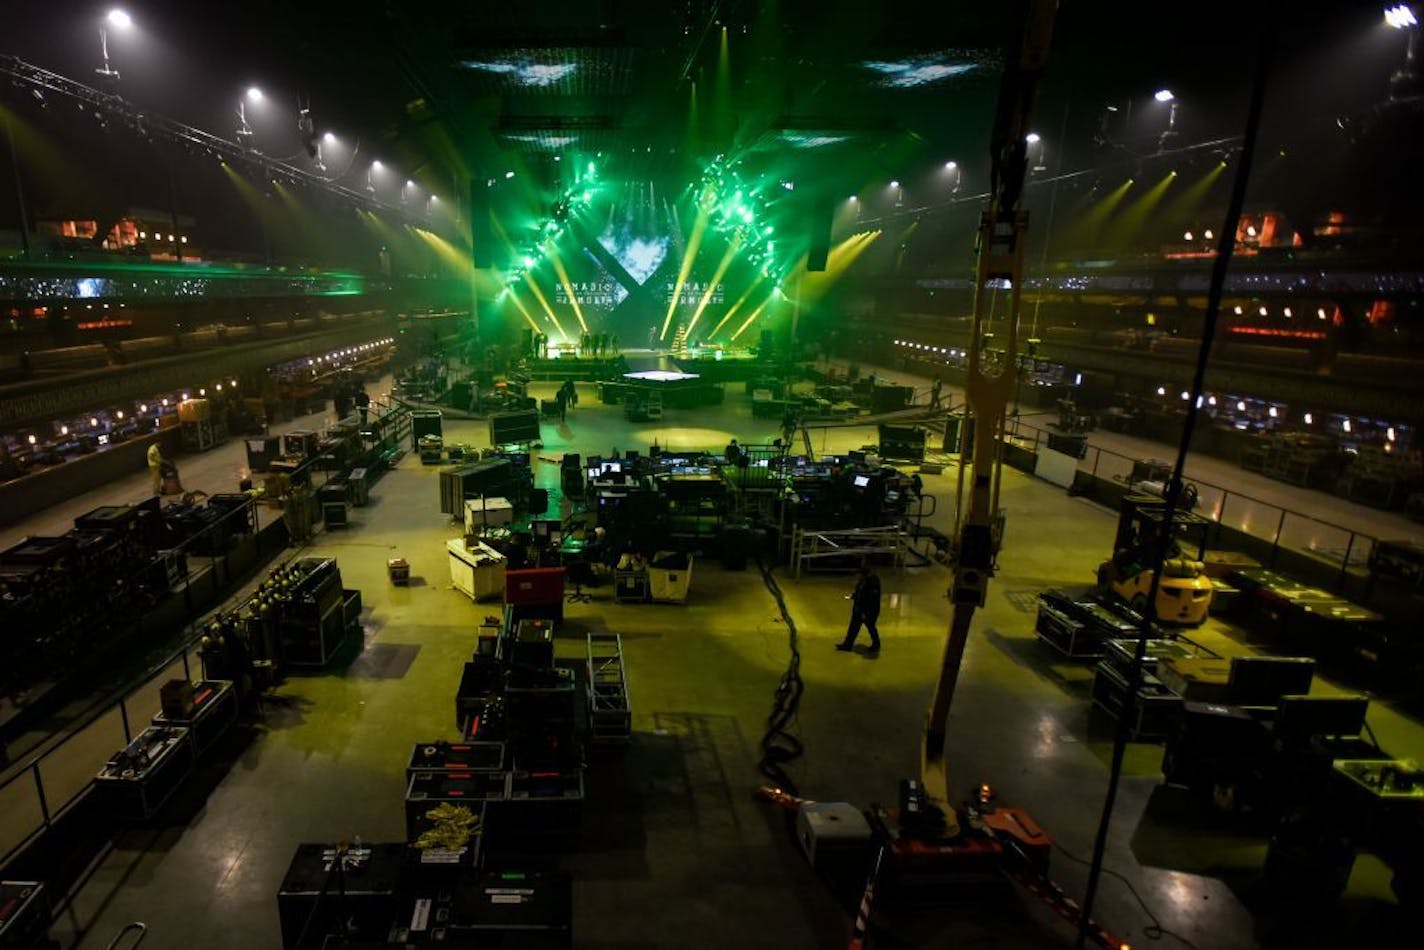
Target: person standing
x,y
864,609
155,468
363,402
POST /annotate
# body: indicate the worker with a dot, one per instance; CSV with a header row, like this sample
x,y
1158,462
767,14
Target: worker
x,y
864,608
363,402
733,451
935,392
155,462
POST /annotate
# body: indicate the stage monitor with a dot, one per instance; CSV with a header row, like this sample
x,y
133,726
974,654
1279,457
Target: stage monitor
x,y
862,481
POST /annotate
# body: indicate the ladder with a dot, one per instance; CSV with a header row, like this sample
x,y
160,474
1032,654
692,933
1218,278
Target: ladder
x,y
610,717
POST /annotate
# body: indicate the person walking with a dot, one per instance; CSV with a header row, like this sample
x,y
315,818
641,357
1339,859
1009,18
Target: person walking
x,y
864,608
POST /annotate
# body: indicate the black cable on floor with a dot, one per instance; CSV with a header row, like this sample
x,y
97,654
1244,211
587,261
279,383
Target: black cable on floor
x,y
1154,930
779,747
1226,244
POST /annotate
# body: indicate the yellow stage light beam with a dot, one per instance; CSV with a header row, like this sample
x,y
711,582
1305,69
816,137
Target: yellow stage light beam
x,y
732,251
544,302
738,305
533,324
447,252
840,259
752,319
1193,195
1084,229
1125,227
693,243
568,284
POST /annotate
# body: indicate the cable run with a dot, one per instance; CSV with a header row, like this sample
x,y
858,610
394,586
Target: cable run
x,y
779,747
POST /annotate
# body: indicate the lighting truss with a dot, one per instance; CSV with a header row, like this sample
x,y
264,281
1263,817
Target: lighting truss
x,y
113,107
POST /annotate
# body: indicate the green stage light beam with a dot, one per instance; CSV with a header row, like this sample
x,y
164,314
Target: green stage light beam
x,y
722,266
544,302
738,305
693,243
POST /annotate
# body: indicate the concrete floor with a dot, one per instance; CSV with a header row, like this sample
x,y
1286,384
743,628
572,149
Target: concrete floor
x,y
677,852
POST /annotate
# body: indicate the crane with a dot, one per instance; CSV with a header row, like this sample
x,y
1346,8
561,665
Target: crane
x,y
1003,232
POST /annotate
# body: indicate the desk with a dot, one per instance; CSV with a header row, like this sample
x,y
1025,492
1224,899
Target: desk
x,y
496,511
476,571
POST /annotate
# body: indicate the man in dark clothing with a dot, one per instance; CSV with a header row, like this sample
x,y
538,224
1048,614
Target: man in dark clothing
x,y
864,608
363,404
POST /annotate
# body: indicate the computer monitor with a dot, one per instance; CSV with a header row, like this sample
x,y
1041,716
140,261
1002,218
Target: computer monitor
x,y
594,472
762,463
861,481
611,468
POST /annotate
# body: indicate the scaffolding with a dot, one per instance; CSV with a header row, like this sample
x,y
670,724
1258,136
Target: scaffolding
x,y
846,549
610,717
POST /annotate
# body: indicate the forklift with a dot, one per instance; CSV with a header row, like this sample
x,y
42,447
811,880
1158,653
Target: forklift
x,y
1184,593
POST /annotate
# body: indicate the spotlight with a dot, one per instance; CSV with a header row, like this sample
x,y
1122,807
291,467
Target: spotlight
x,y
1345,425
1389,433
329,138
1187,236
119,19
1271,412
143,407
508,175
894,184
1186,395
64,430
32,440
1287,312
950,166
1251,230
1033,138
1400,16
254,94
1241,406
1163,95
1207,234
1238,311
1309,419
376,165
94,422
1161,390
1262,311
1320,312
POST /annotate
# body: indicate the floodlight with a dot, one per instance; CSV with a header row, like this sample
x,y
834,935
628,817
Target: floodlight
x,y
254,94
1400,16
1033,138
119,19
1163,95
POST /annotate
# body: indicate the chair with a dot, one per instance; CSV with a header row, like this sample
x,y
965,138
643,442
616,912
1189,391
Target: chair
x,y
578,573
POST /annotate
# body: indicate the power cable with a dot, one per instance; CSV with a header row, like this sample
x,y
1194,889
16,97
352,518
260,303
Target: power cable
x,y
1154,930
1270,24
779,746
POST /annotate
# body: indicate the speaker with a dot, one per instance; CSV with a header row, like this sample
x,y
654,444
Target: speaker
x,y
819,221
766,344
538,501
520,426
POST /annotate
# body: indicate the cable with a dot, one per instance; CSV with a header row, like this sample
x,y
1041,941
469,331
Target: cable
x,y
1154,930
779,747
1270,25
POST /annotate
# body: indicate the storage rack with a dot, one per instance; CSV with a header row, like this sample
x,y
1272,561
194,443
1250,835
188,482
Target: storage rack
x,y
609,713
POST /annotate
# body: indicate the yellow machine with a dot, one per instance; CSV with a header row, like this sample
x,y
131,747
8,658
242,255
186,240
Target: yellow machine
x,y
1184,593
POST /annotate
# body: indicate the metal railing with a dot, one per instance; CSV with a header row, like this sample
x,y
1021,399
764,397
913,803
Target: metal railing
x,y
1282,528
59,770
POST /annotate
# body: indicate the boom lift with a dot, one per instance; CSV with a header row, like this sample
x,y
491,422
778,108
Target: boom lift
x,y
927,836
